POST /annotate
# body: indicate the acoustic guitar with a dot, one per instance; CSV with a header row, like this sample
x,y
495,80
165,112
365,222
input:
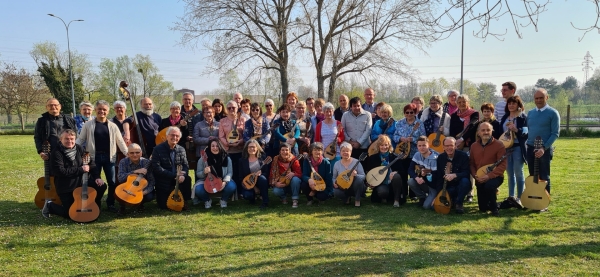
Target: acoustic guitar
x,y
212,183
84,208
376,175
162,135
282,179
331,149
314,175
374,147
484,170
46,188
442,202
345,179
460,135
136,137
438,138
132,190
175,201
250,181
535,196
233,135
403,148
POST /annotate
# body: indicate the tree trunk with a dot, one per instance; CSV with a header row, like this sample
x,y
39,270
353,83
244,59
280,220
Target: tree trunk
x,y
320,83
9,117
331,89
283,73
22,122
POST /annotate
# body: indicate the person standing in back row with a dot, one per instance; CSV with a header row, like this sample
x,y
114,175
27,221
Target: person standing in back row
x,y
357,126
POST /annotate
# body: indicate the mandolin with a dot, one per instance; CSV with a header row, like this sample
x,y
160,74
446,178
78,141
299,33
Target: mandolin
x,y
460,135
139,139
303,147
46,188
374,147
162,135
212,183
535,196
132,190
376,175
250,181
442,202
404,147
175,201
438,138
233,136
282,178
314,175
331,149
484,170
257,137
84,208
345,179
290,134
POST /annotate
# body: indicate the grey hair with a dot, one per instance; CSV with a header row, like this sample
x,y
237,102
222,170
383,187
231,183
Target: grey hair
x,y
270,101
119,103
232,102
172,129
316,145
328,106
463,96
347,145
134,146
102,102
452,91
85,103
175,104
187,93
451,139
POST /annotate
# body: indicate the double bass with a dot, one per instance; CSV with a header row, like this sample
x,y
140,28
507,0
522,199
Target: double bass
x,y
137,136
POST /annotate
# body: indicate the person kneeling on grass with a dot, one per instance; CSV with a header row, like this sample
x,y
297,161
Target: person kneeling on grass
x,y
219,164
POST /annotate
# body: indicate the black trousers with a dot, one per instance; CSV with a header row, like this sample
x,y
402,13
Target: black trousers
x,y
67,200
162,193
486,194
395,191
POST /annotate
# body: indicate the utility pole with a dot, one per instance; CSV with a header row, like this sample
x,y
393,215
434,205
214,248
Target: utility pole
x,y
587,61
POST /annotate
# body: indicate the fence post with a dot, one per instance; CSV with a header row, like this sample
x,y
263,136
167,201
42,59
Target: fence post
x,y
568,116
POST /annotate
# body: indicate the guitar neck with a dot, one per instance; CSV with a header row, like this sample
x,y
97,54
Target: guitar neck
x,y
47,172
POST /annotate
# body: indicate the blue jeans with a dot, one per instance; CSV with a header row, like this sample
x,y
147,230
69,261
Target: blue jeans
x,y
544,164
227,191
428,204
514,170
293,189
102,161
458,192
332,163
263,185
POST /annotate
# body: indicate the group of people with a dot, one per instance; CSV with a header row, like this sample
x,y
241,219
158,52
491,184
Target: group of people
x,y
311,143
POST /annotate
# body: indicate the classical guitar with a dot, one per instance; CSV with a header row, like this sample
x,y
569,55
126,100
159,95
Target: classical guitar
x,y
344,180
162,135
374,147
484,170
135,136
314,175
535,196
282,178
437,138
233,135
331,149
442,202
460,135
376,175
84,208
250,181
175,201
212,183
132,190
404,147
46,188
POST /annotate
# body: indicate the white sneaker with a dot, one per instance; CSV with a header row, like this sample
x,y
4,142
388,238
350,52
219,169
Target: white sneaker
x,y
208,204
223,203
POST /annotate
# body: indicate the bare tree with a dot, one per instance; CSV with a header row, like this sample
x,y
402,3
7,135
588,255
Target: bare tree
x,y
20,92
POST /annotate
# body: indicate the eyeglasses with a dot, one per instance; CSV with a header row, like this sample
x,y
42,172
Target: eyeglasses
x,y
136,153
231,108
268,105
53,105
434,103
256,110
409,112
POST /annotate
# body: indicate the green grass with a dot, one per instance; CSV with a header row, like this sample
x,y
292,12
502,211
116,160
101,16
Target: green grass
x,y
326,240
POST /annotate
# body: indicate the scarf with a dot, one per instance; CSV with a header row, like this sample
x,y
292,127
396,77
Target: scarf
x,y
257,126
466,116
383,125
316,163
85,118
385,160
174,121
217,161
70,153
320,117
287,125
429,122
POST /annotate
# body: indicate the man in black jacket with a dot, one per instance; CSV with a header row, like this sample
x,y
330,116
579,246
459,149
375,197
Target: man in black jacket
x,y
458,184
49,126
165,159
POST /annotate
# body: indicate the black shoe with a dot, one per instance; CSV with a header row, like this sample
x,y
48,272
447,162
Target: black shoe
x,y
263,206
514,202
496,213
421,202
460,209
112,209
121,210
470,199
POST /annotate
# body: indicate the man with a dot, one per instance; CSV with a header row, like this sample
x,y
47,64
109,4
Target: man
x,y
450,107
421,184
419,102
357,126
134,163
487,150
369,104
547,127
458,184
187,108
85,114
245,109
337,114
237,97
49,126
310,108
67,160
149,124
101,138
165,159
508,90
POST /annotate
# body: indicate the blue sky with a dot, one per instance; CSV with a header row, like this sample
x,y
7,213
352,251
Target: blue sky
x,y
129,27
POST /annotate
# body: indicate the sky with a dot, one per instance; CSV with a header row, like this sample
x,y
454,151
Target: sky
x,y
128,27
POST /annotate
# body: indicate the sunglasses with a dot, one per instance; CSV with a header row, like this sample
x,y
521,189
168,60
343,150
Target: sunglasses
x,y
268,105
256,110
231,108
409,112
137,153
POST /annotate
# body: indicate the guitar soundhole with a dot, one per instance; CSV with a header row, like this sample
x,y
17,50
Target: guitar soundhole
x,y
436,143
176,198
84,210
444,201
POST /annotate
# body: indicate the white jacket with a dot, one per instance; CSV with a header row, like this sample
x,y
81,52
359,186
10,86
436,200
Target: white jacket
x,y
86,139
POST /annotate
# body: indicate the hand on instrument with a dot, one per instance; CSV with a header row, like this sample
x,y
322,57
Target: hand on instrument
x,y
419,180
311,184
392,174
207,170
538,153
290,175
459,141
482,179
181,179
258,173
183,122
141,171
44,156
99,182
335,186
354,173
86,168
450,177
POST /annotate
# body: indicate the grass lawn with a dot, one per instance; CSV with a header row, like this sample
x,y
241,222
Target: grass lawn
x,y
325,240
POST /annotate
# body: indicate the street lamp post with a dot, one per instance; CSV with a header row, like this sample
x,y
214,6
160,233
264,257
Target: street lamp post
x,y
70,64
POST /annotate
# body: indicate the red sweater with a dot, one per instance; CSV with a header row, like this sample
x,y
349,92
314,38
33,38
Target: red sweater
x,y
483,155
340,137
279,167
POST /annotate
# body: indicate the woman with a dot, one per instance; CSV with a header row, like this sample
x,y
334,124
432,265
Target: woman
x,y
250,163
487,110
256,126
406,133
234,148
292,99
175,119
206,130
451,106
432,116
323,168
515,120
121,118
269,116
320,116
219,111
85,114
327,131
305,126
279,166
245,109
358,184
385,125
219,163
391,187
378,111
286,125
459,121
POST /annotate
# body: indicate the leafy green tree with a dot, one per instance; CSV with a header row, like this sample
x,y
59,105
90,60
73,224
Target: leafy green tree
x,y
58,81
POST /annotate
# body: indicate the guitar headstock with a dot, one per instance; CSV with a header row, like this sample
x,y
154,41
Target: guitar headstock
x,y
123,88
46,147
416,126
448,167
268,160
86,158
538,143
274,126
363,156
